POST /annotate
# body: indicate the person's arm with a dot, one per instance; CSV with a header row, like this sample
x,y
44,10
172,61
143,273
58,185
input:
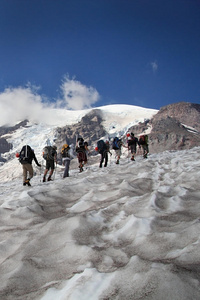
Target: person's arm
x,y
125,145
35,159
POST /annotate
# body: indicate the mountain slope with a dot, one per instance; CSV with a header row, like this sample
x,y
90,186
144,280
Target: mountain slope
x,y
174,127
91,124
128,231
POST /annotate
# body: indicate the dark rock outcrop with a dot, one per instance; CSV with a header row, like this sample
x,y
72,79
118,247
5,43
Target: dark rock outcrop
x,y
185,113
4,145
174,127
90,128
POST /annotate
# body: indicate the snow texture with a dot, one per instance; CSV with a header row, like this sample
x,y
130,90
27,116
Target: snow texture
x,y
128,231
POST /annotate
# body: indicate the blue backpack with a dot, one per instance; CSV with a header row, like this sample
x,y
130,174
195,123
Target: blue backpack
x,y
101,145
116,143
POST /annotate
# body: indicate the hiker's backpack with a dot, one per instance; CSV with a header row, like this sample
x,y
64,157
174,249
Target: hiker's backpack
x,y
143,140
116,143
86,144
101,145
80,144
65,150
26,155
48,153
131,140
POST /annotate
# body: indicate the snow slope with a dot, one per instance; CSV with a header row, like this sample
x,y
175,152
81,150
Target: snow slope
x,y
128,231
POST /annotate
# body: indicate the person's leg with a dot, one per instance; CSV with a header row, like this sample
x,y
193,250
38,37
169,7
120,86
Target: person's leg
x,y
46,170
84,158
68,164
80,160
24,173
133,151
145,151
101,161
30,171
52,167
106,159
66,171
118,154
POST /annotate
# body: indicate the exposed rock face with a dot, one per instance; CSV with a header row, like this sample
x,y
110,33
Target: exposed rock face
x,y
170,127
4,145
170,134
185,113
7,129
89,128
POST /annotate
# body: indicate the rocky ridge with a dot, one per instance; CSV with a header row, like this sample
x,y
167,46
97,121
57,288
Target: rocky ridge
x,y
4,145
174,127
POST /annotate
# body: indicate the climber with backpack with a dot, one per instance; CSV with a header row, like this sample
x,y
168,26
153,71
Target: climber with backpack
x,y
66,158
132,143
26,156
50,155
103,148
81,150
143,140
117,145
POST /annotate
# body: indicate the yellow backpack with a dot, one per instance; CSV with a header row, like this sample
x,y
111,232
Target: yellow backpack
x,y
64,150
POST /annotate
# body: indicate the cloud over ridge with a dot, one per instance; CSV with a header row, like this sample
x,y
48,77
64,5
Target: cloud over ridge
x,y
76,95
20,103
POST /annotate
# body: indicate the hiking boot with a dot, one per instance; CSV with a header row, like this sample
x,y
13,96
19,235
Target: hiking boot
x,y
28,182
117,162
44,179
49,178
81,168
132,158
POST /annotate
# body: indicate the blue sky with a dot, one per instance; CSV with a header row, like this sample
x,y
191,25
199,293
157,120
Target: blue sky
x,y
138,52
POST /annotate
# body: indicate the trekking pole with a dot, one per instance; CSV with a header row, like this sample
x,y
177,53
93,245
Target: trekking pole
x,y
40,171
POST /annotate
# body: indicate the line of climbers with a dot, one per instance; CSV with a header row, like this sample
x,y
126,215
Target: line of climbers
x,y
132,142
27,155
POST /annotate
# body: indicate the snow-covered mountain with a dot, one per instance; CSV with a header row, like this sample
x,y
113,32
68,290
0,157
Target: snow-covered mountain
x,y
174,127
116,120
127,231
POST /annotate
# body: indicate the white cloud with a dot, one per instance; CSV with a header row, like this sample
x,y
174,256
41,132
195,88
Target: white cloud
x,y
154,66
20,103
17,104
76,95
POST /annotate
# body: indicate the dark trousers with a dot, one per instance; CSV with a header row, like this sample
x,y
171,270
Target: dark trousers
x,y
66,171
104,156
